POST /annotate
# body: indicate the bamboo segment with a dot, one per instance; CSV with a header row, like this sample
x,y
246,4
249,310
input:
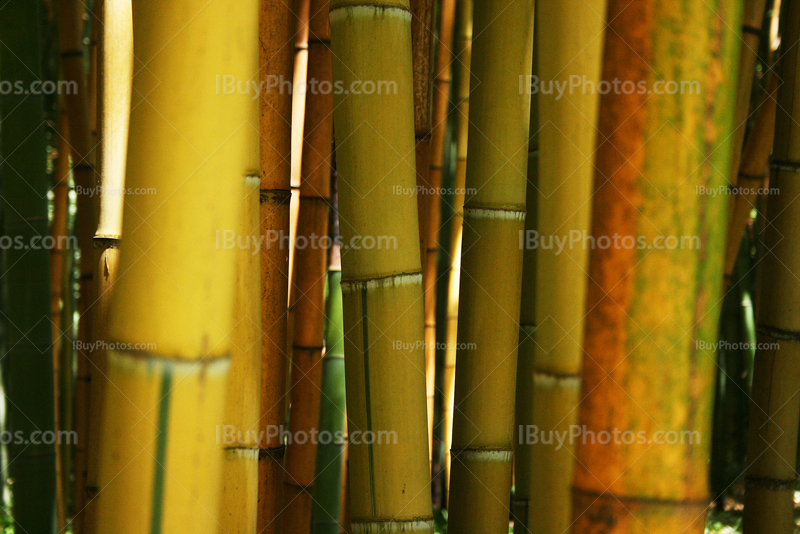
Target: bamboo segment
x,y
381,285
570,47
752,19
160,467
276,23
775,412
311,258
115,69
431,203
494,216
238,505
27,359
642,457
463,48
326,507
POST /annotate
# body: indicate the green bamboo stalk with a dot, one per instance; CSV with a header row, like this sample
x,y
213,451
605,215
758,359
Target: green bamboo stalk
x,y
775,413
326,507
648,376
28,362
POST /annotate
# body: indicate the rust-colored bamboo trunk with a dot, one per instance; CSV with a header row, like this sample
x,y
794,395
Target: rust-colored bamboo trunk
x,y
655,270
276,32
310,274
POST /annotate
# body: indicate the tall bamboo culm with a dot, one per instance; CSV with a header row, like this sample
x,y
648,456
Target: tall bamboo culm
x,y
114,72
276,32
775,412
326,506
160,465
651,311
494,216
310,274
570,45
463,58
381,286
70,26
28,361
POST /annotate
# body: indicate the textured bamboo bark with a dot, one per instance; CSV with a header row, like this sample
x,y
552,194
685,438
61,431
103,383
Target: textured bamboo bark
x,y
752,19
326,507
275,59
381,285
463,49
775,409
28,360
77,106
570,46
494,216
311,260
114,72
652,310
238,504
160,467
431,203
752,174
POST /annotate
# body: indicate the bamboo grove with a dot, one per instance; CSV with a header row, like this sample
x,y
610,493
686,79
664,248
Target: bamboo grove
x,y
345,266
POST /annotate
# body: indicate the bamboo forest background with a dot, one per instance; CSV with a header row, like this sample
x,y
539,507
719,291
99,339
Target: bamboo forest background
x,y
200,264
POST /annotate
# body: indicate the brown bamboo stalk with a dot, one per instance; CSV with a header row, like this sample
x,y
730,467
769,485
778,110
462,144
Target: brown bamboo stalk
x,y
430,200
311,258
772,445
648,383
276,54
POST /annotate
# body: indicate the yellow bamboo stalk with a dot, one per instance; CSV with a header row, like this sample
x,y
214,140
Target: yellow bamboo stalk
x,y
772,445
655,270
494,216
382,286
311,258
277,24
431,203
463,48
569,47
114,73
172,315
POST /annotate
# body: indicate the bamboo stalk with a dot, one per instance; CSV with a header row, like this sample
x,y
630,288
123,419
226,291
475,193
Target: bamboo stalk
x,y
463,50
276,25
326,507
430,204
652,309
160,468
311,258
27,360
114,73
382,286
570,46
774,415
494,216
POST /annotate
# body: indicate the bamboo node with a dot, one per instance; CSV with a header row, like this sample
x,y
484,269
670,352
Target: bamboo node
x,y
249,453
495,213
772,484
785,165
556,380
106,241
392,280
482,455
778,333
752,177
392,525
274,453
278,197
340,13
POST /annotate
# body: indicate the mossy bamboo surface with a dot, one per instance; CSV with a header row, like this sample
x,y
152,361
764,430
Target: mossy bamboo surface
x,y
28,360
160,467
752,173
433,182
275,59
326,507
463,49
570,45
77,105
494,216
752,20
650,309
309,282
382,286
238,506
774,414
114,67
